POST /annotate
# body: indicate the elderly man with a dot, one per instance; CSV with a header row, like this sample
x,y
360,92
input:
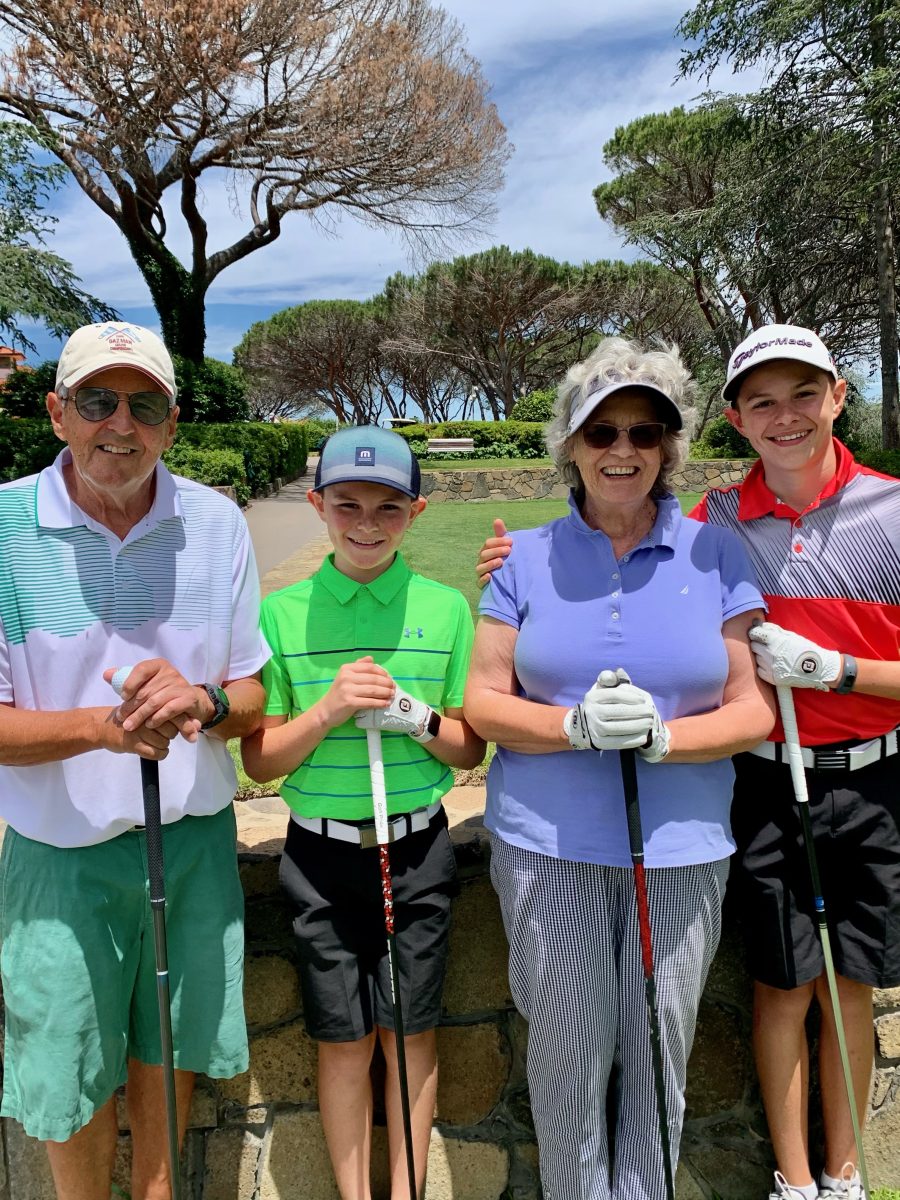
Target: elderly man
x,y
107,559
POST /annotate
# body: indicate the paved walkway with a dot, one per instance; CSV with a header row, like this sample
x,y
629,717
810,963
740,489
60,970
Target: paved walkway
x,y
285,524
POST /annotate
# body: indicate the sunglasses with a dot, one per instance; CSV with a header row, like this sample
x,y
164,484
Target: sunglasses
x,y
645,436
96,404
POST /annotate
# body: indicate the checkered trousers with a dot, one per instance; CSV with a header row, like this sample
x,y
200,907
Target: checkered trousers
x,y
576,976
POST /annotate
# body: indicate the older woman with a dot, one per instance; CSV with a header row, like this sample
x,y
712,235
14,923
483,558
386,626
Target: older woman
x,y
623,581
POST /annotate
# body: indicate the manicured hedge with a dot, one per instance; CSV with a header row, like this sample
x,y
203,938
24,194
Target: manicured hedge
x,y
525,437
885,461
249,456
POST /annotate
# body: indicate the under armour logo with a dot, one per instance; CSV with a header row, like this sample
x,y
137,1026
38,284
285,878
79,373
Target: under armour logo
x,y
809,666
407,632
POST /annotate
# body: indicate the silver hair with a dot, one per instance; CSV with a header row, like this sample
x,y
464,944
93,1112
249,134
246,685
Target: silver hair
x,y
618,360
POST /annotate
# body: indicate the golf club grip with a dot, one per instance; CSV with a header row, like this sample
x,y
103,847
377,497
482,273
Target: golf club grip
x,y
376,776
153,825
632,807
792,742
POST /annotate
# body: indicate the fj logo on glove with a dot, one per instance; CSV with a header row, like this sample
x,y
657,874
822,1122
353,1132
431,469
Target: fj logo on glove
x,y
808,666
403,704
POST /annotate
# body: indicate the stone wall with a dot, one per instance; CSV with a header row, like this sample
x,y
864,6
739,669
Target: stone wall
x,y
527,483
258,1137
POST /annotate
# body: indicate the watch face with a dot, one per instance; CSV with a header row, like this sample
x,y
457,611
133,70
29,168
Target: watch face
x,y
220,702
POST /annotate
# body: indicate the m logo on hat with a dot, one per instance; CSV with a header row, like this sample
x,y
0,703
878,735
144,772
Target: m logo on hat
x,y
365,456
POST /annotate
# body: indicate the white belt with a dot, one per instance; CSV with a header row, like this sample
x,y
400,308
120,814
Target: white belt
x,y
850,758
364,835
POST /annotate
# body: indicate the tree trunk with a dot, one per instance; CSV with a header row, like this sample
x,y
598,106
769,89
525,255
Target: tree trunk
x,y
178,297
884,237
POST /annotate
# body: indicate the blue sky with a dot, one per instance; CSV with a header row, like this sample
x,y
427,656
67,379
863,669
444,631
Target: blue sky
x,y
564,75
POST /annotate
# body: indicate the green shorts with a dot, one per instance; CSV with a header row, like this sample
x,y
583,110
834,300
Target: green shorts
x,y
79,973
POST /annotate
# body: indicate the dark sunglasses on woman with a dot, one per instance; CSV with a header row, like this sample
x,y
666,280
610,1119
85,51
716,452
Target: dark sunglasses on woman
x,y
96,404
645,436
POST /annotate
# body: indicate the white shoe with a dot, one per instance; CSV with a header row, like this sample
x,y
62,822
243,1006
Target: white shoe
x,y
784,1191
850,1186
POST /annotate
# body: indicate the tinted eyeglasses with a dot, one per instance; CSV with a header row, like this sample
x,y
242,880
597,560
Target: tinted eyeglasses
x,y
96,404
645,436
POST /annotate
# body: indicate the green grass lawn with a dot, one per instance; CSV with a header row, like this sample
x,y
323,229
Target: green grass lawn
x,y
445,540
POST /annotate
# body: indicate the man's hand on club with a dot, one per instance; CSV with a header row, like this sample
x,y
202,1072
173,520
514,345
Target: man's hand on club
x,y
404,714
157,699
616,715
787,659
493,553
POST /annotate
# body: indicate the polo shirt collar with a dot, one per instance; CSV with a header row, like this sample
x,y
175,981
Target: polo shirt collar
x,y
664,532
758,499
56,509
384,588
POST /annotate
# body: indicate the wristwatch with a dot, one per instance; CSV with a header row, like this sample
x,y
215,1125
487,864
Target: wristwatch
x,y
848,678
429,729
220,702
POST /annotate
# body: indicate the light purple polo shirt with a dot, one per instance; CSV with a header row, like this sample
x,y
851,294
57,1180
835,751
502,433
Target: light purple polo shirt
x,y
658,612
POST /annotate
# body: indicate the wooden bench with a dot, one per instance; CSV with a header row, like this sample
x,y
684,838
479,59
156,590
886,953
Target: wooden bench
x,y
450,445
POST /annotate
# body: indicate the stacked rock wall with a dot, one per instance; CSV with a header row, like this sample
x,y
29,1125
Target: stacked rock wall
x,y
527,483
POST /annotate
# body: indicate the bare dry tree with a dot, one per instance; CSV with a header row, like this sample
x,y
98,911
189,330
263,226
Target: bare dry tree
x,y
370,107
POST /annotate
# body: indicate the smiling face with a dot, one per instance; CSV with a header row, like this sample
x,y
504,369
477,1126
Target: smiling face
x,y
114,460
786,410
621,474
366,523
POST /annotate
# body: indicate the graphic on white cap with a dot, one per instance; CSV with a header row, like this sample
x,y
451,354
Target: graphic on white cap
x,y
770,342
94,348
118,680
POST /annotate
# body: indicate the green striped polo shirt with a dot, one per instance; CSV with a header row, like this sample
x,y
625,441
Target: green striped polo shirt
x,y
418,630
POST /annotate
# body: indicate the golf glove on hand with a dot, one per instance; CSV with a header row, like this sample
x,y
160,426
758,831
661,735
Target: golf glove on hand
x,y
404,714
787,659
616,715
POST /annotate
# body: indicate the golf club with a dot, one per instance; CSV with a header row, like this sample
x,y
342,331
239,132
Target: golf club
x,y
155,872
636,846
801,795
379,801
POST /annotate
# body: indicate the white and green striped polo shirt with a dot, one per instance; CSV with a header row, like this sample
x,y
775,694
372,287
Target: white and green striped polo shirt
x,y
418,630
75,599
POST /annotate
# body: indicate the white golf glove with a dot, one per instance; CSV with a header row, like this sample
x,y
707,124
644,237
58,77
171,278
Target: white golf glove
x,y
786,658
404,714
616,715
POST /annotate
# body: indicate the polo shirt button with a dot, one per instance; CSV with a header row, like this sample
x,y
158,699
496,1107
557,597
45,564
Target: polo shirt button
x,y
615,575
615,595
798,548
625,558
615,616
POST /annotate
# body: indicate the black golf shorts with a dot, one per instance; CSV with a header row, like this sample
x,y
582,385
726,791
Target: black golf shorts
x,y
855,818
335,891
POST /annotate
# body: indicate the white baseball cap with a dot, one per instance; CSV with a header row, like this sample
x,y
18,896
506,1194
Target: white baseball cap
x,y
596,390
93,348
772,342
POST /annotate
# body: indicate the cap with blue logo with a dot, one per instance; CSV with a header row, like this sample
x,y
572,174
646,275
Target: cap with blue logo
x,y
368,454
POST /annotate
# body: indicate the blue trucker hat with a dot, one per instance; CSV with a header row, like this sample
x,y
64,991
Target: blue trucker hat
x,y
368,454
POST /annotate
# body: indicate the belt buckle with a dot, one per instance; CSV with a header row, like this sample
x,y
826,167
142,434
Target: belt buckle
x,y
831,760
367,838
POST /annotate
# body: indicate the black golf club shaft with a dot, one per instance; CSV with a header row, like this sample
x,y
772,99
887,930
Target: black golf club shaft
x,y
382,834
636,845
155,871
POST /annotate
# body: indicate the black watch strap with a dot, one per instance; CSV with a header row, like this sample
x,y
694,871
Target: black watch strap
x,y
220,703
432,725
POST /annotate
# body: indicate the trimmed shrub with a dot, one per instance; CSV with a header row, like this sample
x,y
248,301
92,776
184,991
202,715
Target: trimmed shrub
x,y
885,461
215,468
26,446
536,406
24,394
526,436
210,391
721,440
265,452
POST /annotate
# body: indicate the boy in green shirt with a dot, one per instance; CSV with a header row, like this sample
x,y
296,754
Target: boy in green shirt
x,y
367,643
